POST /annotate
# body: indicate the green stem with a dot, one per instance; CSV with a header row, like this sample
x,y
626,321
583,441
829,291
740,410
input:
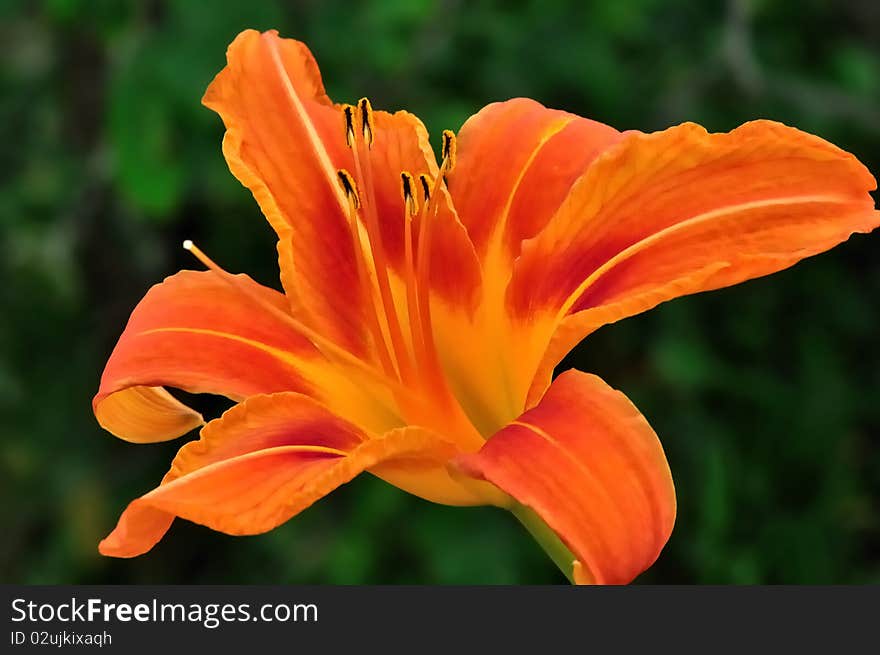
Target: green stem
x,y
547,539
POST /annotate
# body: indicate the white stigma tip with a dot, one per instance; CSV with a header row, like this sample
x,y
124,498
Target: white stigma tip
x,y
187,245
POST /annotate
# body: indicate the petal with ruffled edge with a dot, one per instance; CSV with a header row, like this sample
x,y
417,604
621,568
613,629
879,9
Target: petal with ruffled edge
x,y
261,463
587,462
285,140
516,163
197,333
677,212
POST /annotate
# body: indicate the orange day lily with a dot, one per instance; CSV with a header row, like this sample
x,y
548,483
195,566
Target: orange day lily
x,y
425,307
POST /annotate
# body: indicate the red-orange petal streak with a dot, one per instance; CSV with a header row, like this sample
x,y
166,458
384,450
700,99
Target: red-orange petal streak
x,y
681,211
517,161
592,468
401,144
671,204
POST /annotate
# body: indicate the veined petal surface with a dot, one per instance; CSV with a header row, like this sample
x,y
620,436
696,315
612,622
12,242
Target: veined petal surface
x,y
517,161
285,141
677,212
198,333
587,462
262,462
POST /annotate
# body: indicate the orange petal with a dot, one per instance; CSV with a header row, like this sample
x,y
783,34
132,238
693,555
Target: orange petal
x,y
142,414
680,211
284,141
195,332
426,474
401,144
261,463
198,333
587,462
517,161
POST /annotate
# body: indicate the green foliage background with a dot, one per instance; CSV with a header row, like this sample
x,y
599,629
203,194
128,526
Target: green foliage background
x,y
766,396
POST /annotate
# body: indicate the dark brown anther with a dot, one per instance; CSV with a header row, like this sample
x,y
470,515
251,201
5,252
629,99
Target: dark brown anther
x,y
426,187
349,187
447,150
348,114
409,199
366,111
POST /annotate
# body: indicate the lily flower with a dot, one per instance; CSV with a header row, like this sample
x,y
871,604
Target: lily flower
x,y
426,304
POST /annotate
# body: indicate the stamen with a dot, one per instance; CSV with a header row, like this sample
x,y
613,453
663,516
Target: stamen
x,y
324,345
367,288
423,274
411,209
348,115
430,188
364,170
366,120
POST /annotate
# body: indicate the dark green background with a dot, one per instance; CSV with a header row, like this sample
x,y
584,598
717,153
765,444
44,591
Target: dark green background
x,y
766,396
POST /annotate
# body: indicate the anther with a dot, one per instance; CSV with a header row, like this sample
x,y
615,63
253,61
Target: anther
x,y
348,114
447,150
409,199
349,187
366,120
426,183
